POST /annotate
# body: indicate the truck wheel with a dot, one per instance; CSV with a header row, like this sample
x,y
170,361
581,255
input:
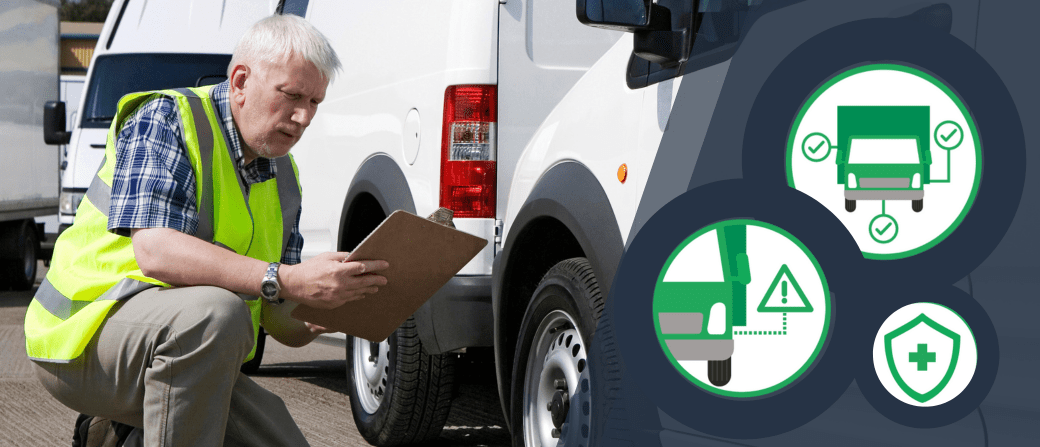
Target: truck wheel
x,y
552,392
253,365
720,371
399,394
917,205
21,245
850,205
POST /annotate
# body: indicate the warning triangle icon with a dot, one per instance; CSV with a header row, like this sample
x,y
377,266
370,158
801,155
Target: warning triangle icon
x,y
784,295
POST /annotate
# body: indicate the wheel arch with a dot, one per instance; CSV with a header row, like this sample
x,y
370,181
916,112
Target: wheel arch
x,y
379,185
566,215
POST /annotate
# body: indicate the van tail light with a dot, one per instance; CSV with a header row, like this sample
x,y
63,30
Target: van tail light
x,y
469,149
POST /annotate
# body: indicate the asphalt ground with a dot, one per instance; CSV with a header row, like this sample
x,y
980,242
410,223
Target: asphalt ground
x,y
311,380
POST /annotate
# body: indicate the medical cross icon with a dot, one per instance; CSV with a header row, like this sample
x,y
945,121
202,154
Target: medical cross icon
x,y
922,357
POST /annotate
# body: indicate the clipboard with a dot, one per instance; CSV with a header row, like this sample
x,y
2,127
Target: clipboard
x,y
423,256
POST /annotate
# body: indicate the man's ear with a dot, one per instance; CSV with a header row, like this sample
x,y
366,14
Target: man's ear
x,y
239,75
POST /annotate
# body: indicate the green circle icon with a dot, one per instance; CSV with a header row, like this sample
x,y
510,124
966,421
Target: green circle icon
x,y
741,308
883,228
948,135
925,354
816,146
891,130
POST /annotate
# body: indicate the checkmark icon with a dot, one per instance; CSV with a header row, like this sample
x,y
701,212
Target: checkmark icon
x,y
951,138
817,151
886,233
881,231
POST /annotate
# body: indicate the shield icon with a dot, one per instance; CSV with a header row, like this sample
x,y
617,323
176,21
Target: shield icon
x,y
922,356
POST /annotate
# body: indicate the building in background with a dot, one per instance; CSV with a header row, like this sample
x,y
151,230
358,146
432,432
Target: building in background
x,y
78,40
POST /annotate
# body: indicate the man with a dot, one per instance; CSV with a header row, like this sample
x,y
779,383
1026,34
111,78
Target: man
x,y
150,306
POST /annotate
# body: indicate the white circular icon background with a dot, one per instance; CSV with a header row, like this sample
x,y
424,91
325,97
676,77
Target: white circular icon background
x,y
775,347
922,344
955,173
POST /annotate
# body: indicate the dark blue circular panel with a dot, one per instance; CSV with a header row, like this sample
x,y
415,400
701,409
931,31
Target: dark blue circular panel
x,y
949,60
630,308
968,400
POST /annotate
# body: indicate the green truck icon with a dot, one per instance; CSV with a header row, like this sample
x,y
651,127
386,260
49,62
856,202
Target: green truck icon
x,y
717,295
883,153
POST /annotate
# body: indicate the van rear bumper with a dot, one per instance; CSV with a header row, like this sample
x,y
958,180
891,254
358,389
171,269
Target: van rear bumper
x,y
459,315
884,194
700,349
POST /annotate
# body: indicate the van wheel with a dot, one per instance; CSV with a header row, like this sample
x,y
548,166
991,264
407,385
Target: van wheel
x,y
552,389
850,205
720,371
399,394
253,365
21,244
917,205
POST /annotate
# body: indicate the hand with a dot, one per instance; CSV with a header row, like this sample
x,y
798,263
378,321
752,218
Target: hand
x,y
318,330
326,282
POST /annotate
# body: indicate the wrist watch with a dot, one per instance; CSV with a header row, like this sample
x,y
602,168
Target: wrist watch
x,y
270,288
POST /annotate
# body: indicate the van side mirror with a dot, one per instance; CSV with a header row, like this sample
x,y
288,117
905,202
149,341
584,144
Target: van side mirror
x,y
620,15
743,269
656,38
54,123
661,43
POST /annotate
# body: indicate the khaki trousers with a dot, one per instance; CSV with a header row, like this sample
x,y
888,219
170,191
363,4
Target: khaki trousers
x,y
167,360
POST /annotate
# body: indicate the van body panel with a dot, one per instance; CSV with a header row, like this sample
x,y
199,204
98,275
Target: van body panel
x,y
543,49
599,131
168,26
366,113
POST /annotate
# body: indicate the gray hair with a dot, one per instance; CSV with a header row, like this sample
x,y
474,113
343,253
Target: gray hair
x,y
276,38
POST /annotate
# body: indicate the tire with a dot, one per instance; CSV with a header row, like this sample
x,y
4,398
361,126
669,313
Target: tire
x,y
253,365
720,371
850,205
917,205
399,394
550,364
22,245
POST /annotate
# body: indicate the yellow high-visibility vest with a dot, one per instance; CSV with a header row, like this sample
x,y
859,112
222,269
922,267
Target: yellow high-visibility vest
x,y
92,269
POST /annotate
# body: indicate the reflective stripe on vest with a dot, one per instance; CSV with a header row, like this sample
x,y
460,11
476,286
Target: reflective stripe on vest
x,y
93,268
63,307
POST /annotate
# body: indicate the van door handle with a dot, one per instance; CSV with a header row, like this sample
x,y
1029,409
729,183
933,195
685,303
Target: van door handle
x,y
97,146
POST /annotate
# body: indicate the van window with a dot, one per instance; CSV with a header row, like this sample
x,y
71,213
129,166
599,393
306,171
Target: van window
x,y
883,151
116,75
699,261
298,7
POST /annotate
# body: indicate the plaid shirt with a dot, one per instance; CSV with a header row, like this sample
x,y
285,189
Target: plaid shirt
x,y
154,185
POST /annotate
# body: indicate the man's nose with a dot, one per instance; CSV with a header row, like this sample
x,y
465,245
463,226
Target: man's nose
x,y
302,116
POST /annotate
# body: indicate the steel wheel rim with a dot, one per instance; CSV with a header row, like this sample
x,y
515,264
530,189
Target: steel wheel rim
x,y
557,352
370,376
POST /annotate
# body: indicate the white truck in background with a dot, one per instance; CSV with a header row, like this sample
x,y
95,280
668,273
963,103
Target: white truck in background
x,y
28,167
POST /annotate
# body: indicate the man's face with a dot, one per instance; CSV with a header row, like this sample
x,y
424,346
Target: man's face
x,y
272,104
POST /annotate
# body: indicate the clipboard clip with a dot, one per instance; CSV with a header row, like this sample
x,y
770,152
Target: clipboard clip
x,y
442,216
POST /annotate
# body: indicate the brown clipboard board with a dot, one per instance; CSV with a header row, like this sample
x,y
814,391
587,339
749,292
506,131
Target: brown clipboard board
x,y
423,256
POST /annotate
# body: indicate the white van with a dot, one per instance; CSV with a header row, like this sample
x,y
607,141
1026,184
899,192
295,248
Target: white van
x,y
521,120
542,133
148,45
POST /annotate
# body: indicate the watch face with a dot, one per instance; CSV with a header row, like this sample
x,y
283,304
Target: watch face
x,y
268,289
